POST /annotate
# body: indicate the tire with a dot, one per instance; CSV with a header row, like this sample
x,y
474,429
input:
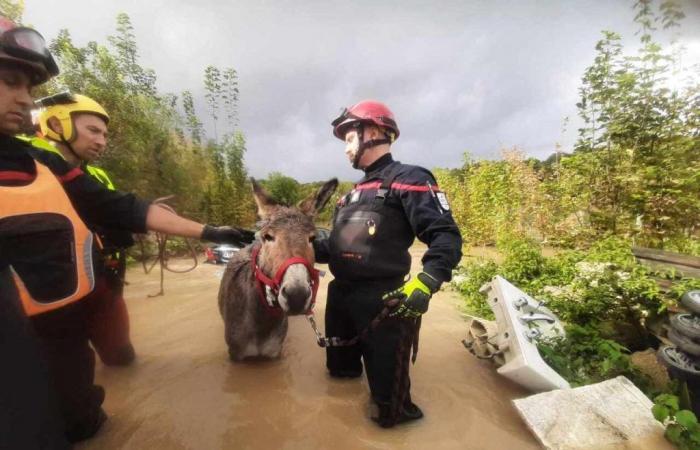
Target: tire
x,y
684,343
691,301
687,325
679,362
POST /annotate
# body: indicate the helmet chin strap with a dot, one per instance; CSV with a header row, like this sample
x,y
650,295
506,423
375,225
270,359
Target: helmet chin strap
x,y
72,150
362,146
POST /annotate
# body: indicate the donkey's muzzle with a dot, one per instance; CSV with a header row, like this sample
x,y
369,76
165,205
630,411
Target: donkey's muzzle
x,y
297,298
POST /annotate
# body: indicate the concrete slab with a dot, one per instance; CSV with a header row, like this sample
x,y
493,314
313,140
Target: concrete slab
x,y
610,414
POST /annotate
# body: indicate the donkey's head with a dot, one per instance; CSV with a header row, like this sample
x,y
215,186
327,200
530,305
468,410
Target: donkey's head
x,y
288,232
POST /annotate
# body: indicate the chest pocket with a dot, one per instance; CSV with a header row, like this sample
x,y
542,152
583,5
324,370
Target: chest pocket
x,y
371,236
354,234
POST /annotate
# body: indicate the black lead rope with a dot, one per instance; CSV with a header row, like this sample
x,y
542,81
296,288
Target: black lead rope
x,y
402,385
408,349
334,341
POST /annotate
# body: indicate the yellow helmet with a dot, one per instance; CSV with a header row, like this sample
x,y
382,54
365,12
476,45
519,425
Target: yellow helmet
x,y
62,106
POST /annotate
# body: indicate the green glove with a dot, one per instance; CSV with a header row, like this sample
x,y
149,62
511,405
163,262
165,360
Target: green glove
x,y
413,296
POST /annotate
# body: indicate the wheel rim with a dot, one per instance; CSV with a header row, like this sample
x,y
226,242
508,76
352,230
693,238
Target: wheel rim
x,y
691,321
681,360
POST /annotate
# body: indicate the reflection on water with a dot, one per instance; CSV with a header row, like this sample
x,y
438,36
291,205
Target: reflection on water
x,y
184,393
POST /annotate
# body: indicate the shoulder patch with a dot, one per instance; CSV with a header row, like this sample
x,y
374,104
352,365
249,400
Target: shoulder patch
x,y
442,199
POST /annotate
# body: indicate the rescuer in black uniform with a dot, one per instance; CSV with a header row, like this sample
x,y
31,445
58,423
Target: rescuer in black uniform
x,y
373,227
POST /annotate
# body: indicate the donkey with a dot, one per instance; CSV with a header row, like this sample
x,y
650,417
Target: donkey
x,y
273,277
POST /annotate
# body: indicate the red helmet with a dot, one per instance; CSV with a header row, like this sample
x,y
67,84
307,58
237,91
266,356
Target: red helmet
x,y
26,47
367,111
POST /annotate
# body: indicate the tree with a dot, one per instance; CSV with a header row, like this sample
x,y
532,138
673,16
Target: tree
x,y
191,120
284,189
229,94
13,10
139,80
643,136
212,86
147,153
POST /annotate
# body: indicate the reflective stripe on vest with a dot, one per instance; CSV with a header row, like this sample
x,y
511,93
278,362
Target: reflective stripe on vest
x,y
40,143
95,172
101,176
53,261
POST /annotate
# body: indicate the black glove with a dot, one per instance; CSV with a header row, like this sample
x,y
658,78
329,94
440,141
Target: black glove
x,y
414,296
239,237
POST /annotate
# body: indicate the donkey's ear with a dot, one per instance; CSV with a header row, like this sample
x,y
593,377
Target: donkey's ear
x,y
314,203
265,203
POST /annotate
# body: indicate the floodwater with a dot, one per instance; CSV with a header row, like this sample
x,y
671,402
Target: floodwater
x,y
184,393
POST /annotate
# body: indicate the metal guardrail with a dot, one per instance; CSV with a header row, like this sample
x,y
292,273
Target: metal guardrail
x,y
661,260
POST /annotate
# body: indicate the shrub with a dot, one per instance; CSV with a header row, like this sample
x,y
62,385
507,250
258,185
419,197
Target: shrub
x,y
584,357
468,281
682,428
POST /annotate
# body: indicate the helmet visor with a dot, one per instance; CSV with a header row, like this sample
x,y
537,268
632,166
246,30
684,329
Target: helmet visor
x,y
28,44
344,114
62,98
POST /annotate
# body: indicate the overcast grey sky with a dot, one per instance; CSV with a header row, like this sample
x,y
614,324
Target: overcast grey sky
x,y
459,75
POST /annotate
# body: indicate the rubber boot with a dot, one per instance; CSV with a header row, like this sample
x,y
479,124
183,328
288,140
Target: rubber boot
x,y
345,373
92,421
409,412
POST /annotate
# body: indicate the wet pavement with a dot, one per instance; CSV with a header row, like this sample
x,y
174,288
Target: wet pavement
x,y
184,393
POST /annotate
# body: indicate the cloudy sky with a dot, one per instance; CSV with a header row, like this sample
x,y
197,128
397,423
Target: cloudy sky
x,y
459,75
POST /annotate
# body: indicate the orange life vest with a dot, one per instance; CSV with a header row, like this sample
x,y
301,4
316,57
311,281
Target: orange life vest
x,y
52,249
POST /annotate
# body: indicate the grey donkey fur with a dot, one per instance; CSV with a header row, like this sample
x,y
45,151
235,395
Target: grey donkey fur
x,y
250,330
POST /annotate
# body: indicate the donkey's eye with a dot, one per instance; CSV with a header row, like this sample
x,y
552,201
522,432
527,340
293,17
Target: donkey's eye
x,y
312,238
268,237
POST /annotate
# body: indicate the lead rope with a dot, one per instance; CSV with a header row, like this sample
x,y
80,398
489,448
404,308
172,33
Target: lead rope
x,y
334,341
408,349
162,257
401,386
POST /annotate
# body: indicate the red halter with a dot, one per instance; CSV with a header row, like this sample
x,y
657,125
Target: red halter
x,y
261,280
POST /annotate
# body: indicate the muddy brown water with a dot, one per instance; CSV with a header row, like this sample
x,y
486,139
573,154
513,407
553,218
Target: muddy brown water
x,y
184,393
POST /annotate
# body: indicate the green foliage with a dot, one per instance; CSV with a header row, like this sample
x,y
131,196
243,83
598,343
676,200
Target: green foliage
x,y
523,260
469,279
149,151
603,287
634,169
229,95
13,10
283,189
192,122
604,297
682,428
632,178
227,198
325,216
212,86
584,357
493,198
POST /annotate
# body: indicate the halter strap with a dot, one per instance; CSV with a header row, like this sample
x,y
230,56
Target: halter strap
x,y
272,305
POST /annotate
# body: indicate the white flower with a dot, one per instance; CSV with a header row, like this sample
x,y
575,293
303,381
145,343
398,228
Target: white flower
x,y
591,270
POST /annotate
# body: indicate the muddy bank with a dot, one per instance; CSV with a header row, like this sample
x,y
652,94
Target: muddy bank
x,y
184,393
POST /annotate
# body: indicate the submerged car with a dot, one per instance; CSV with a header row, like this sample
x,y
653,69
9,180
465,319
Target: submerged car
x,y
220,254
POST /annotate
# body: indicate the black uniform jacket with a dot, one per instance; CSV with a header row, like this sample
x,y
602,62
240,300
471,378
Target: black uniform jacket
x,y
94,203
373,228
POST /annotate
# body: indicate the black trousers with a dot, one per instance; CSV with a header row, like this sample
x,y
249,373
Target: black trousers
x,y
350,308
64,338
29,416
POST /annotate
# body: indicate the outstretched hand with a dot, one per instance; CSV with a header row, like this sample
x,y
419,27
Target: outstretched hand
x,y
239,237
